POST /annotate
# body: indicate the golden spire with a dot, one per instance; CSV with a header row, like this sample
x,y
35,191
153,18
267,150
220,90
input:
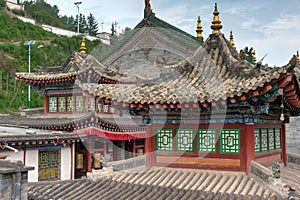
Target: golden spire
x,y
231,39
298,57
82,46
199,29
216,24
254,56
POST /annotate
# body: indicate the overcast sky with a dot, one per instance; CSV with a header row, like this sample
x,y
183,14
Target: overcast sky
x,y
272,27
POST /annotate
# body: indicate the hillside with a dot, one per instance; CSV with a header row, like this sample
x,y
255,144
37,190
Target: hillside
x,y
14,57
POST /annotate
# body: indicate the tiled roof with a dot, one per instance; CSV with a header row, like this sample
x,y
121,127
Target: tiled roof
x,y
210,74
157,184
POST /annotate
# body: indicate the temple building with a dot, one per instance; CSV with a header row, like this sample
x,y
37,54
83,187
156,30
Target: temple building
x,y
183,101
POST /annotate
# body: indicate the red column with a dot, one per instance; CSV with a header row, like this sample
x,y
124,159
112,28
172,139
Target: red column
x,y
88,158
24,156
283,132
249,151
46,104
149,150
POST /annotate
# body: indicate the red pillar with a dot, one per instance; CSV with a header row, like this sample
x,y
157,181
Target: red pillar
x,y
88,157
46,104
283,132
249,151
149,149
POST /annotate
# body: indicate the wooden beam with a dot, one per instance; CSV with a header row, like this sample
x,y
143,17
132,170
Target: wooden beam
x,y
291,93
284,82
205,105
266,89
233,100
255,94
243,98
289,88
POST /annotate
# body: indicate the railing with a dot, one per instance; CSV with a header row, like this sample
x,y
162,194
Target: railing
x,y
293,159
128,163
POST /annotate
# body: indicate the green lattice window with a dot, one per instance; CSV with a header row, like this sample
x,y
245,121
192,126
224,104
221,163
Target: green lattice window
x,y
164,139
49,165
79,103
271,138
61,104
278,138
264,139
206,140
257,140
185,140
70,104
230,141
52,104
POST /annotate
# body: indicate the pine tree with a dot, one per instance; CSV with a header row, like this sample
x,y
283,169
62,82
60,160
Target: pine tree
x,y
92,25
113,30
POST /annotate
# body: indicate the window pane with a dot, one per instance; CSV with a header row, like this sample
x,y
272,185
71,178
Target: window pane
x,y
61,104
52,104
70,104
264,139
164,139
185,140
49,165
206,140
79,103
271,138
278,138
257,140
230,141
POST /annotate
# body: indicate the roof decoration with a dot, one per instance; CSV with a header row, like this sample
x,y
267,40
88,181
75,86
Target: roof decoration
x,y
231,39
298,57
199,29
148,10
254,56
216,24
82,46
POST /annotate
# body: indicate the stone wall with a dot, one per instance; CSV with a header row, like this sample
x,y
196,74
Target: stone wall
x,y
13,180
293,136
128,164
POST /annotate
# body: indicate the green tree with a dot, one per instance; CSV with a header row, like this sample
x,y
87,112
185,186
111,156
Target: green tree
x,y
92,25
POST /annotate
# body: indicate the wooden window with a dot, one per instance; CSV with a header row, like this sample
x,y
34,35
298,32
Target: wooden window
x,y
264,139
61,104
49,165
52,104
164,139
271,138
79,103
278,138
206,140
185,140
70,104
257,139
230,141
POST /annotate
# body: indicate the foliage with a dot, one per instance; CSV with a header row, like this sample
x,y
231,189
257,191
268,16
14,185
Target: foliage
x,y
2,4
92,25
14,58
19,12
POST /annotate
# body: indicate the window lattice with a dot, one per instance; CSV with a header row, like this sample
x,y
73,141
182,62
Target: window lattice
x,y
52,104
185,140
61,104
79,103
271,139
164,139
70,104
257,140
49,165
230,141
278,138
264,139
206,140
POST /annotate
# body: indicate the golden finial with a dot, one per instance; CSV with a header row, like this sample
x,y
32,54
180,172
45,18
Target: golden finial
x,y
298,57
216,24
199,29
254,56
231,39
82,46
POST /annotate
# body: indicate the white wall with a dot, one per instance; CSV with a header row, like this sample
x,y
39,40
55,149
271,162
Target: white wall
x,y
66,165
13,5
24,19
12,155
32,160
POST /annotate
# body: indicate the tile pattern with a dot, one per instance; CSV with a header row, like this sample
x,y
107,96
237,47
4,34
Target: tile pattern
x,y
157,183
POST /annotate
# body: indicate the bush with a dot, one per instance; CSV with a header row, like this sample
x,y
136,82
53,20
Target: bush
x,y
19,12
2,4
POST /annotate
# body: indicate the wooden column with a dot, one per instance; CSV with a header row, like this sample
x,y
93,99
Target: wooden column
x,y
150,153
249,149
283,133
46,104
88,157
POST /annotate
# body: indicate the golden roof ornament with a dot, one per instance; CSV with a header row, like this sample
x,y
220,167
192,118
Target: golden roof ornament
x,y
216,24
254,56
231,39
199,29
82,46
298,57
